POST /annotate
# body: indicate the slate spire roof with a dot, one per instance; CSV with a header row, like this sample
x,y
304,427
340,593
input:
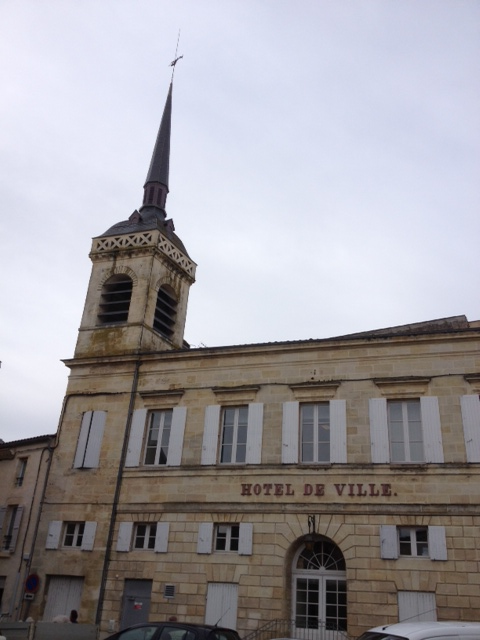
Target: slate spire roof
x,y
156,184
152,214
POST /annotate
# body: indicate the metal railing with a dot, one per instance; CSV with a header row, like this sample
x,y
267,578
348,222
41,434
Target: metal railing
x,y
288,629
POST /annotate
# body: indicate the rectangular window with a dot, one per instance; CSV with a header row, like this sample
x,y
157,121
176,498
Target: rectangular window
x,y
315,432
227,537
413,541
73,536
158,438
234,435
11,530
22,467
145,535
405,431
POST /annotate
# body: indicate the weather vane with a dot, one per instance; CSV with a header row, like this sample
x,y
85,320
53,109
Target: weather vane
x,y
177,57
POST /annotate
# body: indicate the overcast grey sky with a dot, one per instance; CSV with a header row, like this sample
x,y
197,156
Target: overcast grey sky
x,y
324,167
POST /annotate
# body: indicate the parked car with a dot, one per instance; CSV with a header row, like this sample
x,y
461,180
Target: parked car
x,y
174,631
425,631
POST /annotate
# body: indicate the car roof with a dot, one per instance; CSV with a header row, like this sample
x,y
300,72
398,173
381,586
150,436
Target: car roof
x,y
417,630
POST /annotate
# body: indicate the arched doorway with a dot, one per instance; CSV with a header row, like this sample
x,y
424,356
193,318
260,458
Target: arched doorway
x,y
319,590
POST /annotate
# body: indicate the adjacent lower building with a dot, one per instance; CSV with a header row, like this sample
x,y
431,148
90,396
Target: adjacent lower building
x,y
331,484
24,468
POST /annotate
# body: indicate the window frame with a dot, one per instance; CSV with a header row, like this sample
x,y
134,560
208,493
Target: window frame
x,y
13,518
231,539
317,423
149,536
415,544
238,427
405,428
75,530
21,470
162,447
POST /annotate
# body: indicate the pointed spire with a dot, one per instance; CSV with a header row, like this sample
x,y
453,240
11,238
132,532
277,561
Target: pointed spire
x,y
156,185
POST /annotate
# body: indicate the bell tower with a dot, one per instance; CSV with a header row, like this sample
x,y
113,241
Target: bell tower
x,y
141,273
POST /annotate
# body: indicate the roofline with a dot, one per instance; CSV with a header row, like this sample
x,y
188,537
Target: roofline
x,y
378,337
27,441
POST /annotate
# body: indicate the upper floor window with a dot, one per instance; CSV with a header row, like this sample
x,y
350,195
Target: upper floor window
x,y
165,311
234,435
405,431
21,469
75,535
115,299
158,438
10,518
315,432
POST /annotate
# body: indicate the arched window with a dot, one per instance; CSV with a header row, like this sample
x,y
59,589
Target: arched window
x,y
165,311
115,299
319,589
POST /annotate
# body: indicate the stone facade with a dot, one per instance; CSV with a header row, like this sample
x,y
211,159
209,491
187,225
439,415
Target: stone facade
x,y
347,503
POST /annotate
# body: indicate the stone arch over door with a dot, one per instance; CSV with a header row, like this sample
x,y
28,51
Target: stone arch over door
x,y
318,590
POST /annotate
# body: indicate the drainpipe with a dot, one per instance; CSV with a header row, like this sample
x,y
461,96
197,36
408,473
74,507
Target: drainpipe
x,y
118,486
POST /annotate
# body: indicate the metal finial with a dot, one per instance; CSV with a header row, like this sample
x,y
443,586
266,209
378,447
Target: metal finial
x,y
177,57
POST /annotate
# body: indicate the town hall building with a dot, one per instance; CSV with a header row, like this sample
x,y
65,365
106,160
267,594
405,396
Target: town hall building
x,y
330,485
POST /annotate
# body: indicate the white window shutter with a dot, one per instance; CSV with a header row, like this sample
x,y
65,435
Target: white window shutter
x,y
437,543
246,538
290,426
416,606
82,440
432,432
89,536
53,535
388,542
15,529
471,426
379,430
205,537
161,538
124,536
177,432
95,437
254,433
338,431
210,434
135,440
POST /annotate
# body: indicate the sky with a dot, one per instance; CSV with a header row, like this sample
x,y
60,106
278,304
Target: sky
x,y
324,172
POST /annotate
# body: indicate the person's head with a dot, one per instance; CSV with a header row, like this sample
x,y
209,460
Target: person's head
x,y
73,615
